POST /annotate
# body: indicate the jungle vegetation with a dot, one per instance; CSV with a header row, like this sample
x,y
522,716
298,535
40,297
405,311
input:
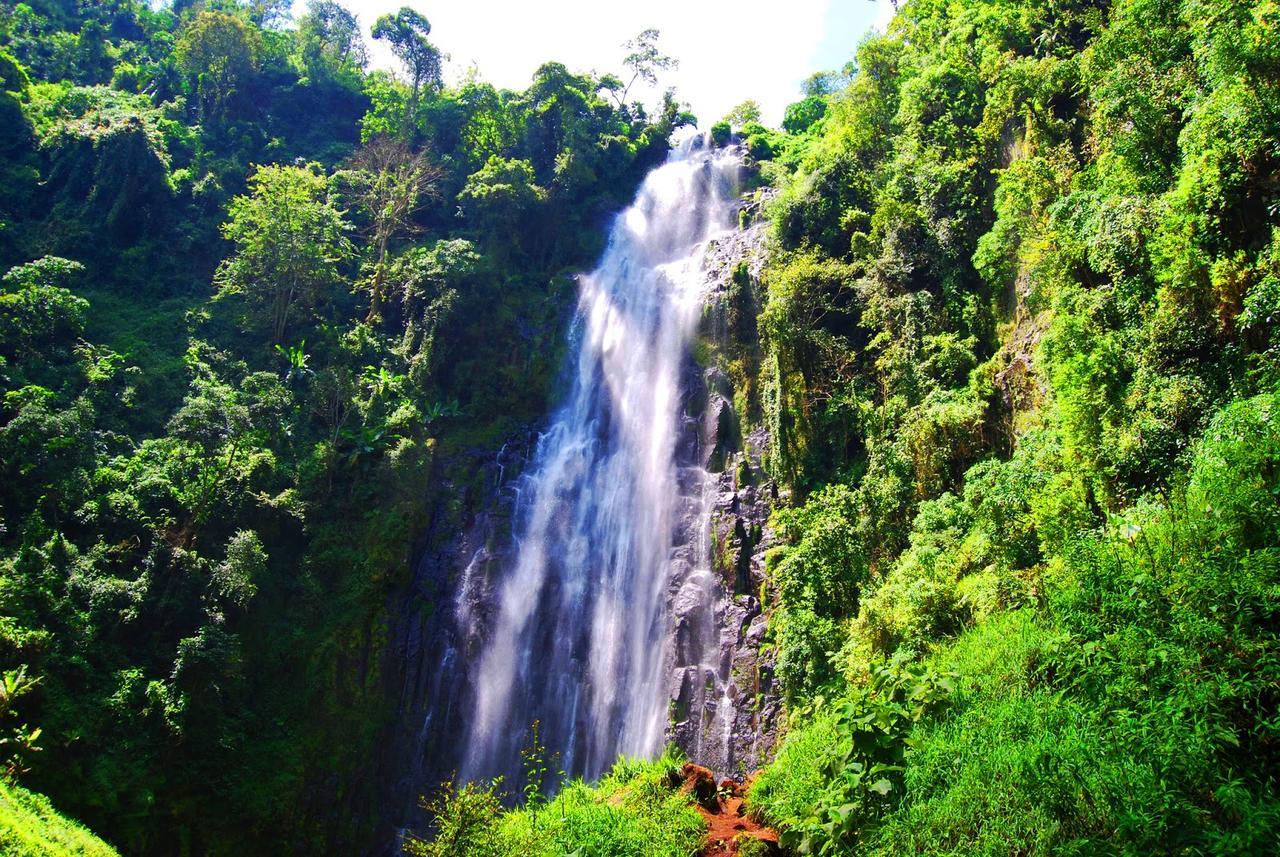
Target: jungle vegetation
x,y
1017,353
252,291
1020,372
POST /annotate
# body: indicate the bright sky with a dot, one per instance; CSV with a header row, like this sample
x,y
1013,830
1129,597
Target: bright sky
x,y
728,51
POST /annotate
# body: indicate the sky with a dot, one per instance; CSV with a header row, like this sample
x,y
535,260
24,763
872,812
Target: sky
x,y
728,51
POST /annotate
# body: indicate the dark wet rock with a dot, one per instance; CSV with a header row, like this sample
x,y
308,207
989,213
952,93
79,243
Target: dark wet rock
x,y
700,784
727,719
438,619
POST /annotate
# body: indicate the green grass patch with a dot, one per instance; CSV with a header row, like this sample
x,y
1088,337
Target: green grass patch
x,y
31,827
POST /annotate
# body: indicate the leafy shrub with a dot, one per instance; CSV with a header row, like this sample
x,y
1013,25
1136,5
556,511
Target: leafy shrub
x,y
817,579
855,775
721,132
636,810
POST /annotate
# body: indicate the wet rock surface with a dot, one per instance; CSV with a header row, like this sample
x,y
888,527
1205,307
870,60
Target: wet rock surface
x,y
725,703
437,623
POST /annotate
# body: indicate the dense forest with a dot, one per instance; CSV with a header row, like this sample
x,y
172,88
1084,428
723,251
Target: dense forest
x,y
1013,339
253,290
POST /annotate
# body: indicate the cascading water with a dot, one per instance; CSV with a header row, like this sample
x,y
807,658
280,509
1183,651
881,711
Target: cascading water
x,y
577,641
584,597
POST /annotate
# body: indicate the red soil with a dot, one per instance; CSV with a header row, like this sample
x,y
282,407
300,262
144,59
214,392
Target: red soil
x,y
728,825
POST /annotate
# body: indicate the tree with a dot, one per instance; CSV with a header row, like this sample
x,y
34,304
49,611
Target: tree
x,y
498,195
270,13
428,281
388,181
329,41
822,83
233,580
38,311
745,113
407,32
560,117
801,115
219,51
290,241
645,61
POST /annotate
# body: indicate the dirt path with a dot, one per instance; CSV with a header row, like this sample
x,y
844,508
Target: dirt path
x,y
728,825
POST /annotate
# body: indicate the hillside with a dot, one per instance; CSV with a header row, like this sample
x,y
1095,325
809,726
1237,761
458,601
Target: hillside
x,y
30,827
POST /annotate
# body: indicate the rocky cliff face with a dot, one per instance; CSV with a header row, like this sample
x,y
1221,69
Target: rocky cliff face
x,y
722,702
436,623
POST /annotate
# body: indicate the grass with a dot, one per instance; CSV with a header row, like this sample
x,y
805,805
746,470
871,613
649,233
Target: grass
x,y
635,811
31,827
790,786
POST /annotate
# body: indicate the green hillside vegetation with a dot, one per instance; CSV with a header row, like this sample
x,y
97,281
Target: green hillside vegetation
x,y
30,827
1021,369
1017,354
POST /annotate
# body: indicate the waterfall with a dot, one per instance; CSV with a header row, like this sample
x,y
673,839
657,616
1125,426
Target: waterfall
x,y
584,595
579,629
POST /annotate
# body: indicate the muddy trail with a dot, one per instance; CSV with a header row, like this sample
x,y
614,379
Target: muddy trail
x,y
729,827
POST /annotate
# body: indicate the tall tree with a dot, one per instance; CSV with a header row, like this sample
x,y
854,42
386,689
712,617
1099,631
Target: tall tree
x,y
389,181
645,61
218,52
329,40
290,240
406,31
744,113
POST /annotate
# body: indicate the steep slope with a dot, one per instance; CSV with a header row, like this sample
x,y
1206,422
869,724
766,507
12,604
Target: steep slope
x,y
31,827
1020,348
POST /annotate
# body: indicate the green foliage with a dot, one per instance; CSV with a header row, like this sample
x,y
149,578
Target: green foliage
x,y
635,810
290,241
38,310
744,114
406,31
219,51
862,769
721,132
466,822
109,155
1023,259
19,740
330,46
208,504
644,60
803,115
500,195
1111,717
31,827
793,784
817,579
1023,254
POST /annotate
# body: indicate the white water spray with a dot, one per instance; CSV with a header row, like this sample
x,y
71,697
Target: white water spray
x,y
579,630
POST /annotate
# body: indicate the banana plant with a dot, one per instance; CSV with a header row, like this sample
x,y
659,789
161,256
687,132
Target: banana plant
x,y
297,358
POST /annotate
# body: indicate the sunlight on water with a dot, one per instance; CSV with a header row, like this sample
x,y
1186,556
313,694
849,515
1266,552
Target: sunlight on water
x,y
578,635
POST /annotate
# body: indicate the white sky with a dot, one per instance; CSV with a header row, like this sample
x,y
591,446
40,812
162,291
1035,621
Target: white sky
x,y
728,51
